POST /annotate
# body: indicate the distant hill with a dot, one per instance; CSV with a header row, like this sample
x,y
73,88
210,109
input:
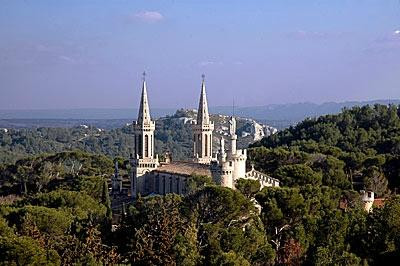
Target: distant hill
x,y
276,115
113,137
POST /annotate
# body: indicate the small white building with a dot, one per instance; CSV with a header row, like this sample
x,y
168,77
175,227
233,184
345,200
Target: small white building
x,y
367,198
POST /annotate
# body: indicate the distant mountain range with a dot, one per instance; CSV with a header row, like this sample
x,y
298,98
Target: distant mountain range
x,y
296,111
277,115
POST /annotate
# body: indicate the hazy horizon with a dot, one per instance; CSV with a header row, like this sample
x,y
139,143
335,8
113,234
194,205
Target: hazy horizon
x,y
90,54
195,106
273,112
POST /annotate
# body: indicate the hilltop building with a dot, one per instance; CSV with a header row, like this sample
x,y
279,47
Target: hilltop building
x,y
152,176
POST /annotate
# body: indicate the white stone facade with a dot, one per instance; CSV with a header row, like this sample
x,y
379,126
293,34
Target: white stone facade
x,y
225,167
228,167
367,198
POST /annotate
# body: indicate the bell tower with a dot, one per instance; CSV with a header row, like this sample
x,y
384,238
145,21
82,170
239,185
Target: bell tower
x,y
202,130
143,159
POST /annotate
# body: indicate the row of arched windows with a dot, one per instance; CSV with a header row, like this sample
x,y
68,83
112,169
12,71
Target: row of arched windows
x,y
148,145
169,184
199,144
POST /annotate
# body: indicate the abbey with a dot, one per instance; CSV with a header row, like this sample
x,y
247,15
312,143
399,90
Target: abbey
x,y
152,176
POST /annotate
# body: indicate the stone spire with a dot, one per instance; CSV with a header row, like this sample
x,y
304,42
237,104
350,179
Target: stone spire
x,y
203,117
202,131
144,110
143,159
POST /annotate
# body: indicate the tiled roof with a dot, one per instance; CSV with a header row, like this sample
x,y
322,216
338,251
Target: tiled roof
x,y
184,168
379,202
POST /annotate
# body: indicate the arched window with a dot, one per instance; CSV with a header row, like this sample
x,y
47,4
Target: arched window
x,y
146,145
135,141
210,145
151,145
140,146
199,145
205,145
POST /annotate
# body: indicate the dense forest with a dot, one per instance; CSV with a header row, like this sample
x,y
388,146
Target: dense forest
x,y
359,146
55,208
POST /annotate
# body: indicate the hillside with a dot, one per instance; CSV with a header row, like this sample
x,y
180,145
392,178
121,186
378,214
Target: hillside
x,y
359,147
173,134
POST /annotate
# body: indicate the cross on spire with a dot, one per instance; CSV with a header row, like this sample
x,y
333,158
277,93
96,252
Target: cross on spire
x,y
203,77
144,75
202,114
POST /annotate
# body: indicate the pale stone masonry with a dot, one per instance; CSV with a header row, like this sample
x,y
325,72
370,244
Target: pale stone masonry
x,y
149,176
143,160
202,131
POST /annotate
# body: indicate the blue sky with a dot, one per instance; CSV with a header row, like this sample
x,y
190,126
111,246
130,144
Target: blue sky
x,y
78,54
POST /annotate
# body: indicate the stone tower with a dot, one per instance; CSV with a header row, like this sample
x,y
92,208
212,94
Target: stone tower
x,y
229,167
143,159
202,131
221,169
237,156
368,198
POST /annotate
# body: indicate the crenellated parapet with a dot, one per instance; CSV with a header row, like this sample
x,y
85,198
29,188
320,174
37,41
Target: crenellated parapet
x,y
264,179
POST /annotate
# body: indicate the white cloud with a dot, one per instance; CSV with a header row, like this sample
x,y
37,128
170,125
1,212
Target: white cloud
x,y
67,59
386,43
149,16
209,63
302,34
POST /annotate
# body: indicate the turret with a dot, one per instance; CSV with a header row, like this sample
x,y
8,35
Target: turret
x,y
237,156
222,169
233,136
221,153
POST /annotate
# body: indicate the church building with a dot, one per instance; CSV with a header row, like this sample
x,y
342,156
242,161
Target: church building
x,y
152,176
